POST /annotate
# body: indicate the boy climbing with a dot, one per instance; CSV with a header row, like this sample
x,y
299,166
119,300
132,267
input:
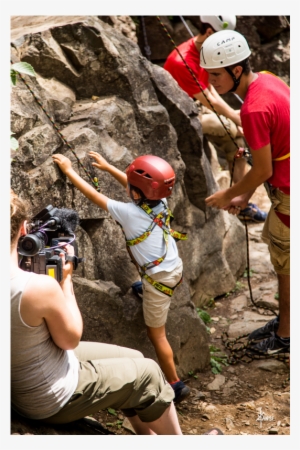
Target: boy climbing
x,y
149,239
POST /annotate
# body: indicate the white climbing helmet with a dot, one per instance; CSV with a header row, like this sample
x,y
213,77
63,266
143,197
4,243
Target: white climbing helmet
x,y
222,49
220,22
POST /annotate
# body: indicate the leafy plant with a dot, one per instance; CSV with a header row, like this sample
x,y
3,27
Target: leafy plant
x,y
20,67
14,144
203,315
217,359
276,296
191,374
245,274
112,411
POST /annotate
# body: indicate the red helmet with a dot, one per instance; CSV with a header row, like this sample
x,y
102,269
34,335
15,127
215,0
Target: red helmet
x,y
152,175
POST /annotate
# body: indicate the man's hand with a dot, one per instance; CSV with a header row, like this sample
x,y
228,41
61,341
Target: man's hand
x,y
63,162
220,200
100,163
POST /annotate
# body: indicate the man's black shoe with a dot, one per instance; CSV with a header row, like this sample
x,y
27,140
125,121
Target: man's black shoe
x,y
137,289
181,391
273,345
265,331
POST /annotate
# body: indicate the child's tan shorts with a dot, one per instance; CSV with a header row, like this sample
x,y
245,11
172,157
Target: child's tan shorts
x,y
155,303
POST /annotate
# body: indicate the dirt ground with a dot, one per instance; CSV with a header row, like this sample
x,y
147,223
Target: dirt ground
x,y
235,399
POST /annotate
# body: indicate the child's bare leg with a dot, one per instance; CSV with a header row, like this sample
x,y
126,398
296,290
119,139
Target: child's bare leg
x,y
139,426
167,423
163,351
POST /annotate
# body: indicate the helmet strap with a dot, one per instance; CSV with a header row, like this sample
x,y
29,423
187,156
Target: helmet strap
x,y
236,81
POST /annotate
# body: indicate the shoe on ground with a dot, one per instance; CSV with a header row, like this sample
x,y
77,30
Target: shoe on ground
x,y
252,212
181,391
137,289
273,345
265,331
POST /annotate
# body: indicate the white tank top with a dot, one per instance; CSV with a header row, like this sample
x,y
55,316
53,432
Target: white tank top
x,y
43,376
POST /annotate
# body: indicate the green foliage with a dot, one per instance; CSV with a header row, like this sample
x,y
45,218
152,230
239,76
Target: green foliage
x,y
191,374
20,67
14,144
238,286
245,274
217,359
203,315
276,296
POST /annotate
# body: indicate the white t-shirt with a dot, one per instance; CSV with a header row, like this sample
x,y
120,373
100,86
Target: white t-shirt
x,y
135,222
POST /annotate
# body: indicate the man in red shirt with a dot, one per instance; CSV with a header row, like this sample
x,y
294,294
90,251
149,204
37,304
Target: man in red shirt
x,y
211,125
265,116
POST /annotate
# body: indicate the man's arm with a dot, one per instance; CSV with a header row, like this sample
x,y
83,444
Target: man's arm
x,y
261,171
219,104
45,299
88,191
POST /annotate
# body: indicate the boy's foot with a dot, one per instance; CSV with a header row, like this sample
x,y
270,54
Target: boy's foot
x,y
273,345
265,331
252,212
181,391
137,289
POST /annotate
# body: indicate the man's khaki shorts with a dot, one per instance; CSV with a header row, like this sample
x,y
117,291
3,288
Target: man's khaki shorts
x,y
276,234
155,303
116,377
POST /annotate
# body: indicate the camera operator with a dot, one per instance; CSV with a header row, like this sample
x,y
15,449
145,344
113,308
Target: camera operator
x,y
57,379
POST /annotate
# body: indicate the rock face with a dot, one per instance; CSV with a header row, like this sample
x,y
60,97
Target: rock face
x,y
105,96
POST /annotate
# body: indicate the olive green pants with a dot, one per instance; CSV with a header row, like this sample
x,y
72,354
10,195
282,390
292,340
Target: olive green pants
x,y
119,378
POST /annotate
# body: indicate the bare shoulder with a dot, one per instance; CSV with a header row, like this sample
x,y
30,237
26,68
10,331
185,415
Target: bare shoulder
x,y
40,285
41,294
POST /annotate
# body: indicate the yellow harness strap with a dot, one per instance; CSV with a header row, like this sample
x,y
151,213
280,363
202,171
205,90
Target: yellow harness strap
x,y
282,157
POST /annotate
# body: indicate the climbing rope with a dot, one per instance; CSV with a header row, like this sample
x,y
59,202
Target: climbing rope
x,y
146,47
246,152
229,344
186,26
94,180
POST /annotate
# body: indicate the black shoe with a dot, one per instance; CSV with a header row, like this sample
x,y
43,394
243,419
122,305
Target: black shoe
x,y
181,391
273,345
253,213
265,331
137,289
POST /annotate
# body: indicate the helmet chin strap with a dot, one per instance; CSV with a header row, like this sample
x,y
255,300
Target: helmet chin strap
x,y
236,81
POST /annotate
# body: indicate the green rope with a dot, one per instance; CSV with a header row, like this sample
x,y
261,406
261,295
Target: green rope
x,y
94,180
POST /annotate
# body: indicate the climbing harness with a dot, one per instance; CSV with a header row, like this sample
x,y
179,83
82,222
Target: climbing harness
x,y
240,153
94,180
161,219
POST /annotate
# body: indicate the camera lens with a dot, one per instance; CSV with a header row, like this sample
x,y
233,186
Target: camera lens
x,y
31,244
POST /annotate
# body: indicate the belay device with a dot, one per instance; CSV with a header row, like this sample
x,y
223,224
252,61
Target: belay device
x,y
50,229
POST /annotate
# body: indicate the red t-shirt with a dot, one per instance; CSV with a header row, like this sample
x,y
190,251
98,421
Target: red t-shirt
x,y
265,116
176,67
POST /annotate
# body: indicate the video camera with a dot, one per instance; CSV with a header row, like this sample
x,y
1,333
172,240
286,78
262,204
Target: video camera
x,y
40,248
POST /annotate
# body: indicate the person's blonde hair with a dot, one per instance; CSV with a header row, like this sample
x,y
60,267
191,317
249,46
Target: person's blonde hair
x,y
19,211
